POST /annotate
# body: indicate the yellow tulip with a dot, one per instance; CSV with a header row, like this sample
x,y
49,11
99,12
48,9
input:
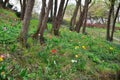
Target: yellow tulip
x,y
76,56
111,48
2,73
77,47
83,47
1,59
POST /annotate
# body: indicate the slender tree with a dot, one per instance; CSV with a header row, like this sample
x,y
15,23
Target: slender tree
x,y
5,3
85,17
114,21
26,21
23,7
73,19
41,17
58,19
112,3
44,21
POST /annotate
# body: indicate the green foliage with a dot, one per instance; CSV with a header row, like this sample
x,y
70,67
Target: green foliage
x,y
70,56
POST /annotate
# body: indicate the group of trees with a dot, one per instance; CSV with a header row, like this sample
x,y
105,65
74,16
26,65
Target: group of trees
x,y
5,4
56,12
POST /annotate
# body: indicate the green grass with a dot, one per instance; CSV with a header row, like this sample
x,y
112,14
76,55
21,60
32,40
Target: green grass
x,y
71,56
117,24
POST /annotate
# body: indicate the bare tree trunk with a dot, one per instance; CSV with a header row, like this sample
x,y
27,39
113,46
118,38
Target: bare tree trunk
x,y
26,21
58,19
81,19
85,17
55,8
23,7
41,17
51,14
44,22
114,21
65,7
4,4
109,21
73,19
55,12
102,20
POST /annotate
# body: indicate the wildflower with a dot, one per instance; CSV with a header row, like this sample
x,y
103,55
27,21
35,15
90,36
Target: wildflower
x,y
2,56
2,73
54,62
111,48
74,61
53,51
83,47
38,34
1,59
76,56
76,47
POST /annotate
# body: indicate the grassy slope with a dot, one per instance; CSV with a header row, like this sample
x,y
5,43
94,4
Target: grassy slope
x,y
77,56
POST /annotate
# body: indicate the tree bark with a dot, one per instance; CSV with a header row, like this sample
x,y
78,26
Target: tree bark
x,y
109,21
26,21
44,22
73,19
114,21
41,17
23,7
85,17
4,4
58,19
80,21
65,7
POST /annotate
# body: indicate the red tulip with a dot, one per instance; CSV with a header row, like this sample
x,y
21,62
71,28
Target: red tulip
x,y
53,51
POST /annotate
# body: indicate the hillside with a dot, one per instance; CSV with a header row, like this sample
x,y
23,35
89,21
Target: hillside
x,y
71,56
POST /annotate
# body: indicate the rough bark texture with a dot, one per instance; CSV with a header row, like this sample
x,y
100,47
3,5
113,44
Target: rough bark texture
x,y
114,21
65,7
26,21
23,7
73,19
41,17
51,14
58,19
44,22
109,21
85,17
55,8
6,2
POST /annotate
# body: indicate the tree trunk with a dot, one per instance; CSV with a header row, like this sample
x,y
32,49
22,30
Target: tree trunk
x,y
41,17
109,21
23,7
114,21
5,3
26,21
44,22
51,14
65,8
58,19
73,19
55,13
85,17
55,8
81,20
